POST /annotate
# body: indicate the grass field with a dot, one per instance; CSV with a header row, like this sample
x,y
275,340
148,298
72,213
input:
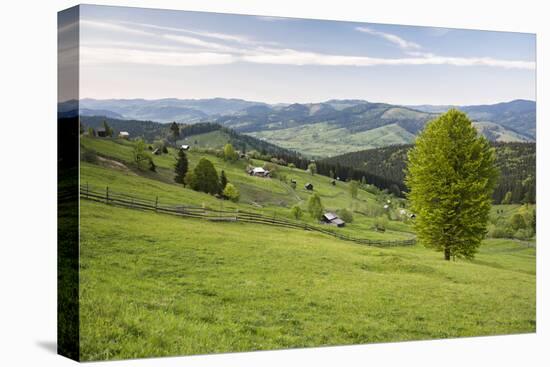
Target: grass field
x,y
324,140
155,285
268,196
159,285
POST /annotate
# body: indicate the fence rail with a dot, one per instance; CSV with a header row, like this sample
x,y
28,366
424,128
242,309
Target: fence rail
x,y
108,196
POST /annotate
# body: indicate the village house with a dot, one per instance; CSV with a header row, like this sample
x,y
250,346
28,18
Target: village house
x,y
308,186
259,172
124,134
185,147
101,132
333,219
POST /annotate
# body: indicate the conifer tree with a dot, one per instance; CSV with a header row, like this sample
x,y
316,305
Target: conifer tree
x,y
223,180
182,165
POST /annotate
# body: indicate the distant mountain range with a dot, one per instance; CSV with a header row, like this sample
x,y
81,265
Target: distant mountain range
x,y
318,129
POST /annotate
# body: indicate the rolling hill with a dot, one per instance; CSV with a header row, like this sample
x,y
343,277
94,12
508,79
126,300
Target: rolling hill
x,y
167,109
515,161
319,129
518,115
158,285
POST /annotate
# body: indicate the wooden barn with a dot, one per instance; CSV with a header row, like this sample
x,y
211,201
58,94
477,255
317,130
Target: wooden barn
x,y
333,219
259,172
101,132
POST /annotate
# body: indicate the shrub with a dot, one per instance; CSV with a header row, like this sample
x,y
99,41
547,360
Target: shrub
x,y
296,212
380,224
188,179
523,234
345,214
230,192
517,222
312,168
89,156
499,231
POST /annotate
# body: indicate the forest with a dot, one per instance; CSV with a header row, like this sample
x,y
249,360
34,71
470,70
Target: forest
x,y
516,163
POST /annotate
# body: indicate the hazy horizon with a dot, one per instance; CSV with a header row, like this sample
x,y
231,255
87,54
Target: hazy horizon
x,y
131,53
307,102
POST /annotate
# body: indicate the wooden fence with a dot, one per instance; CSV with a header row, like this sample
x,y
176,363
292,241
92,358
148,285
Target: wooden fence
x,y
108,196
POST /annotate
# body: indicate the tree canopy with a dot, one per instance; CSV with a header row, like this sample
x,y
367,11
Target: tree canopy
x,y
231,192
315,207
142,157
205,178
175,130
229,153
451,175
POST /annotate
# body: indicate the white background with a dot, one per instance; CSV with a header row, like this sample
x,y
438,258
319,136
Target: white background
x,y
28,181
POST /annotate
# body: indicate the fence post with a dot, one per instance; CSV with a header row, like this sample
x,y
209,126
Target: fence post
x,y
107,194
87,190
156,203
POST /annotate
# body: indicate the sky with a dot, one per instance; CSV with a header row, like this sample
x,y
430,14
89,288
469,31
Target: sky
x,y
149,53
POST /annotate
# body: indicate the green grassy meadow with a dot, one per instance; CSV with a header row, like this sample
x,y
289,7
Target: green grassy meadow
x,y
159,285
322,139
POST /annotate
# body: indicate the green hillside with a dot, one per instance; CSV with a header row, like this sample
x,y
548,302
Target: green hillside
x,y
323,139
267,196
157,285
515,161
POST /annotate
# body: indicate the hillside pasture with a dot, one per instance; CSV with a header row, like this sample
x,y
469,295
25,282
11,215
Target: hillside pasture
x,y
156,285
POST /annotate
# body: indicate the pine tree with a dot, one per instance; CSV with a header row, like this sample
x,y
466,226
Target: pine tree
x,y
108,129
182,165
175,130
451,175
223,180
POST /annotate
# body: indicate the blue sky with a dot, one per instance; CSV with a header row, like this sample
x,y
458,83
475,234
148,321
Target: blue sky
x,y
147,53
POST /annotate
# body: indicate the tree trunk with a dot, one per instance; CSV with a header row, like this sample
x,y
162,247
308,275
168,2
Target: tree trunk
x,y
447,254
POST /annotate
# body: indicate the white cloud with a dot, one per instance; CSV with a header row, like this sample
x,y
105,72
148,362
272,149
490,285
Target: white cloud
x,y
204,52
98,56
400,42
293,57
215,35
192,41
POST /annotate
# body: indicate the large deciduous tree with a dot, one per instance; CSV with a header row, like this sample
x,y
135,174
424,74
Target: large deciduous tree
x,y
315,207
205,178
451,176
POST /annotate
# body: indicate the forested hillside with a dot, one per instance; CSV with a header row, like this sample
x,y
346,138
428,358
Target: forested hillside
x,y
516,162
